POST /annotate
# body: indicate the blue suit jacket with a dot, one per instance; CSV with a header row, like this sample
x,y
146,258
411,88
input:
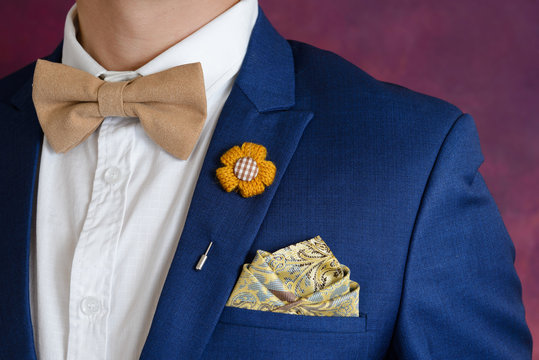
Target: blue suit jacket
x,y
389,179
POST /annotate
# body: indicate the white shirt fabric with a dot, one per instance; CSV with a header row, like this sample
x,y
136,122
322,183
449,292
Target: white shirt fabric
x,y
110,212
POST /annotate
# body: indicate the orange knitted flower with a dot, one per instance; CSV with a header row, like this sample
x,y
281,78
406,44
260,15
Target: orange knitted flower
x,y
246,169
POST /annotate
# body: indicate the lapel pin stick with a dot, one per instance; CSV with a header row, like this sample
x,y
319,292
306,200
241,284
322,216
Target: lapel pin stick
x,y
203,257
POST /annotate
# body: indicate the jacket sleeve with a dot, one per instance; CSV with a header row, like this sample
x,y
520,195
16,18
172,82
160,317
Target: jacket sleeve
x,y
461,295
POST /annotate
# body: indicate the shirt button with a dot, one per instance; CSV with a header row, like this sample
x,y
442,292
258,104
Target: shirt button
x,y
90,305
112,175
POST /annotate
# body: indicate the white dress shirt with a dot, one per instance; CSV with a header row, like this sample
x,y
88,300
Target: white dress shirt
x,y
110,212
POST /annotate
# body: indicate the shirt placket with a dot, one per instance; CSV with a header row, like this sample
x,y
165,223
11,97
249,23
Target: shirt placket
x,y
95,254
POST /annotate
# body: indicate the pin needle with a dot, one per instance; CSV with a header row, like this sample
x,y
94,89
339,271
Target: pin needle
x,y
203,257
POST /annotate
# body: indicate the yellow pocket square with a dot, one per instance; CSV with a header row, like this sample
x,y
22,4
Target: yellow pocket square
x,y
303,279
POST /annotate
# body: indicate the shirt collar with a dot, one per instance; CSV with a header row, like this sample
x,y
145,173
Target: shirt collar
x,y
219,46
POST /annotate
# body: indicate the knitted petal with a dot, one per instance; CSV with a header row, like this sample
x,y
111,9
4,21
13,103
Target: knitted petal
x,y
251,188
266,172
257,152
231,156
226,177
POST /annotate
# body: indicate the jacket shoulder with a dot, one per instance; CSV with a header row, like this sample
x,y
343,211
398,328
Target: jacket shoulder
x,y
327,79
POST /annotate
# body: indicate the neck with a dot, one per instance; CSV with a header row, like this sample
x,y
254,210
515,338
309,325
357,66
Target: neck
x,y
123,35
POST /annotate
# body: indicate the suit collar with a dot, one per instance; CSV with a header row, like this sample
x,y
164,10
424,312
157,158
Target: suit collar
x,y
267,73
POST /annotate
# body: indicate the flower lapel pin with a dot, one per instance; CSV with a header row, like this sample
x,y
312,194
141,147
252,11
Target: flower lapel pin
x,y
246,169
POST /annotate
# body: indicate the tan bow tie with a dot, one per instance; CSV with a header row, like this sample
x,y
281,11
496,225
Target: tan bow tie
x,y
71,104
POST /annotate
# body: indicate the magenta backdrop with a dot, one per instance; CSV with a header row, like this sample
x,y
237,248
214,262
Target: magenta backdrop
x,y
481,55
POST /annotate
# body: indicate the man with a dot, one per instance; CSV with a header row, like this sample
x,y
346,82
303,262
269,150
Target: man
x,y
123,240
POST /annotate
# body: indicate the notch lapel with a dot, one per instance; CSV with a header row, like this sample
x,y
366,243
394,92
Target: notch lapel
x,y
258,110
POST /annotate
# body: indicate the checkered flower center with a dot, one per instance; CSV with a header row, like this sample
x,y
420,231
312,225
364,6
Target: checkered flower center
x,y
246,168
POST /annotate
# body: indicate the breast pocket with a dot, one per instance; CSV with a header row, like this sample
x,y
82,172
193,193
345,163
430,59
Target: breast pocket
x,y
250,334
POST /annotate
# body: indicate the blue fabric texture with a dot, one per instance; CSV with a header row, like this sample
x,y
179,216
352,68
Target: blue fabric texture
x,y
386,176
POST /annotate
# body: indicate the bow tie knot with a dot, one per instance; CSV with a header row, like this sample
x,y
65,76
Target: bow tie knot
x,y
71,104
110,98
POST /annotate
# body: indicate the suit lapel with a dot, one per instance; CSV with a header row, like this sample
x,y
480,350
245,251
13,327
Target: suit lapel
x,y
258,110
20,143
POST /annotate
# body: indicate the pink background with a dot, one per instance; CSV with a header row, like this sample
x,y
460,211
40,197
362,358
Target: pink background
x,y
481,55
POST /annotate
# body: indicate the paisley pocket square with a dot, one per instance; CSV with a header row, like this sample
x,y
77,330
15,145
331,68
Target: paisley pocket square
x,y
303,279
